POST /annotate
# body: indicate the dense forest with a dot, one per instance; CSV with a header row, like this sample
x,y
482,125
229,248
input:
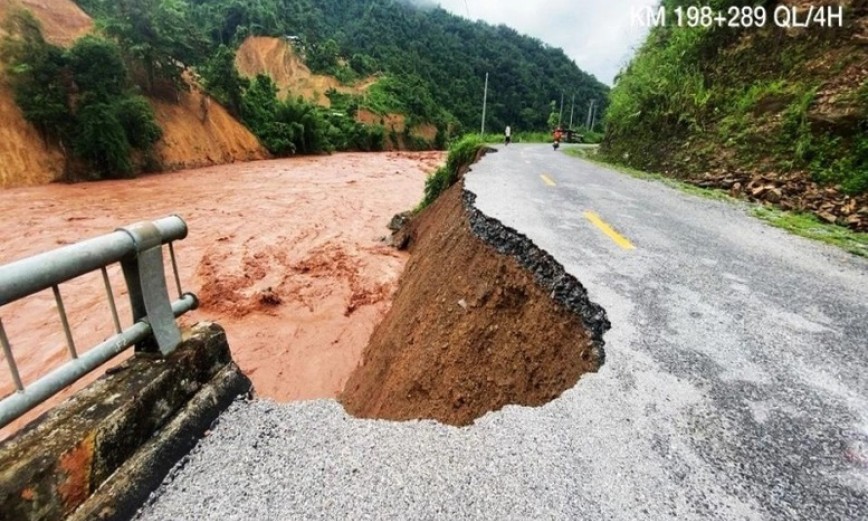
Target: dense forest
x,y
775,114
92,99
435,62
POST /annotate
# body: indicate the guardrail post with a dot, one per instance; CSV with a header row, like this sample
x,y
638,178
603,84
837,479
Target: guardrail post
x,y
139,250
146,281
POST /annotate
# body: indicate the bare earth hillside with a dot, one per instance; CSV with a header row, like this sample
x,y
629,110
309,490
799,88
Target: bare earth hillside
x,y
276,58
197,131
25,159
62,20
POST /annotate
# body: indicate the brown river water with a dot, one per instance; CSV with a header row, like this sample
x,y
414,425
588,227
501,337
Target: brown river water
x,y
287,255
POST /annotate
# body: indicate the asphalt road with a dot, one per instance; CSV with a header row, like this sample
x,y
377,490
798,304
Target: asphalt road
x,y
735,383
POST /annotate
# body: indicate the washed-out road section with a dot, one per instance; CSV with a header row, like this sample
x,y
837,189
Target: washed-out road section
x,y
734,385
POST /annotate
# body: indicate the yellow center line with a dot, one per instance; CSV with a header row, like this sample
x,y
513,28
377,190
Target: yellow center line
x,y
548,180
619,239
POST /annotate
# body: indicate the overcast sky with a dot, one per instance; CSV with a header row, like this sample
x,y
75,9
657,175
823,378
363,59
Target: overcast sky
x,y
597,35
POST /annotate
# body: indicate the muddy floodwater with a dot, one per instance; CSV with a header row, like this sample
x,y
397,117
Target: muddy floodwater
x,y
288,256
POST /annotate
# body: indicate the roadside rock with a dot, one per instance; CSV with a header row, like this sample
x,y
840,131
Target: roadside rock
x,y
400,234
793,192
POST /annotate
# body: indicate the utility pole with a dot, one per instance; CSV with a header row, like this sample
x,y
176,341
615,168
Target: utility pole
x,y
593,117
561,115
590,111
572,107
484,104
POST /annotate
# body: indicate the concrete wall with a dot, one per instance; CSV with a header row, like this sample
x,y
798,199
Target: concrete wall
x,y
99,454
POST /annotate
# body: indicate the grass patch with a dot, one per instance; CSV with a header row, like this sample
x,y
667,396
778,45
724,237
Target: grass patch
x,y
518,137
461,154
588,138
802,224
590,154
807,225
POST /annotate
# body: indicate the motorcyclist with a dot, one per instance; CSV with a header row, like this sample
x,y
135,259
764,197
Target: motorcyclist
x,y
557,135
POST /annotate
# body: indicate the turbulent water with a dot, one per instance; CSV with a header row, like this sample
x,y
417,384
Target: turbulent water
x,y
286,255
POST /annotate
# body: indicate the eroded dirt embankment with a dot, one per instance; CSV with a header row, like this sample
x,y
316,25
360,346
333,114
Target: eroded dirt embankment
x,y
482,319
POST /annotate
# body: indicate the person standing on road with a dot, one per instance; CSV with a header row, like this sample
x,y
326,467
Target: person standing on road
x,y
507,135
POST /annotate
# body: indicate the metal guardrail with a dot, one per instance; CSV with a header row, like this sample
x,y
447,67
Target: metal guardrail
x,y
139,250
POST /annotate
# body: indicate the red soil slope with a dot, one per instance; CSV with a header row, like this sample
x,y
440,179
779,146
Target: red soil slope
x,y
196,133
276,58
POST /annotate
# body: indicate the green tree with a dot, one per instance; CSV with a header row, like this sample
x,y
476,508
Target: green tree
x,y
363,64
259,105
81,97
137,118
221,78
554,115
157,35
101,140
128,121
323,56
36,68
98,68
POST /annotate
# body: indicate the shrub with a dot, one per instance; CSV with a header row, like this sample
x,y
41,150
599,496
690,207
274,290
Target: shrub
x,y
461,154
223,81
100,139
36,71
104,121
137,118
98,68
293,126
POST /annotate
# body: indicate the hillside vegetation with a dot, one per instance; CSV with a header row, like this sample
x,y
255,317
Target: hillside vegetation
x,y
79,97
432,63
279,59
43,63
393,74
776,115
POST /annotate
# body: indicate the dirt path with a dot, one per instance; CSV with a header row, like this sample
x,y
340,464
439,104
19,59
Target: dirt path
x,y
286,255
